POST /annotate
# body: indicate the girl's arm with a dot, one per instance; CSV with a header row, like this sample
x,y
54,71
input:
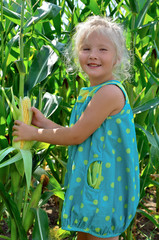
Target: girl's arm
x,y
39,120
109,100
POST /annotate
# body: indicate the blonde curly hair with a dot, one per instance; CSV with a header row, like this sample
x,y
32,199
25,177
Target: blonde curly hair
x,y
114,32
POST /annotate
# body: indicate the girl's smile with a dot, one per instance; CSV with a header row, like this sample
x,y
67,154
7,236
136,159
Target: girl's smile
x,y
93,65
97,57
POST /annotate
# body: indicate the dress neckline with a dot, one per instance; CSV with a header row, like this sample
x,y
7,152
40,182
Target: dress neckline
x,y
98,85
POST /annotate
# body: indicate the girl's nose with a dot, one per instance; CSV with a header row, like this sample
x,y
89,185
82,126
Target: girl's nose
x,y
93,54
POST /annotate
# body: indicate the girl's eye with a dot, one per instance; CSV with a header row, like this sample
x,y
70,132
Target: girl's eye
x,y
103,49
86,49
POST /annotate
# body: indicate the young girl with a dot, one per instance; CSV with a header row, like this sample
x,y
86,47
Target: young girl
x,y
102,176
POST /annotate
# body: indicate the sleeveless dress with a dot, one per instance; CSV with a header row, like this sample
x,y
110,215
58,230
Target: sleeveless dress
x,y
107,209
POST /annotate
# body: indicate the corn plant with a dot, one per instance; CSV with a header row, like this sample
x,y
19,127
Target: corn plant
x,y
17,193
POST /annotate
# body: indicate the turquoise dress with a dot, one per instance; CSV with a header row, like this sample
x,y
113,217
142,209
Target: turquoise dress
x,y
105,207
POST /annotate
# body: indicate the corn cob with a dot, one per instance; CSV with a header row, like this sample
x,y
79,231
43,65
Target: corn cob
x,y
25,115
94,175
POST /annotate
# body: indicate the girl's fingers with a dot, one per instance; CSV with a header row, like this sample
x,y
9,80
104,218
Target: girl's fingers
x,y
34,110
15,133
17,122
15,127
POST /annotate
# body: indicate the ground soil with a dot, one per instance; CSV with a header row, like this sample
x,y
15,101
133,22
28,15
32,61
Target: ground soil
x,y
143,229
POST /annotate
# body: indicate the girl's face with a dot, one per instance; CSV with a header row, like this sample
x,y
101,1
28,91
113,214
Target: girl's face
x,y
97,57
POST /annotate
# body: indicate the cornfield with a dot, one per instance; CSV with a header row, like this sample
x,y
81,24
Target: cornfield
x,y
33,36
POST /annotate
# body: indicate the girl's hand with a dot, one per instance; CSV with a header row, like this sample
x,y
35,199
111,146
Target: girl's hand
x,y
38,118
23,131
40,121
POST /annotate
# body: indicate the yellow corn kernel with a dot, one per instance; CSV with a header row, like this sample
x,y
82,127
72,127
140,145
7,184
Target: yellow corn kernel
x,y
25,114
26,109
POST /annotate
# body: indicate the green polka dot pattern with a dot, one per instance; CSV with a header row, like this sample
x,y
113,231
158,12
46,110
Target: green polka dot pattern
x,y
102,173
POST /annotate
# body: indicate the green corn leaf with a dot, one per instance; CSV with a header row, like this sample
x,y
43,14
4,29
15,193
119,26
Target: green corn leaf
x,y
27,160
2,151
13,211
149,136
41,66
3,142
92,5
14,159
59,194
47,10
21,67
144,178
150,217
155,183
154,77
156,136
4,174
45,197
3,237
57,24
7,99
70,4
41,227
11,15
63,164
146,106
151,74
156,47
20,167
51,103
8,48
134,6
58,47
2,130
5,152
54,183
38,172
1,27
16,112
62,234
154,153
142,13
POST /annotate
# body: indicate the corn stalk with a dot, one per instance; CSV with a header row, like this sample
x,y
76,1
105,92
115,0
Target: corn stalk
x,y
2,50
132,49
22,73
2,40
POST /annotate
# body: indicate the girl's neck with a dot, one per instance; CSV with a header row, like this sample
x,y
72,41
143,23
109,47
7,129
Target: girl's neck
x,y
94,82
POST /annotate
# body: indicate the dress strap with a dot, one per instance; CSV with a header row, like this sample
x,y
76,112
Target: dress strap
x,y
112,82
90,91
